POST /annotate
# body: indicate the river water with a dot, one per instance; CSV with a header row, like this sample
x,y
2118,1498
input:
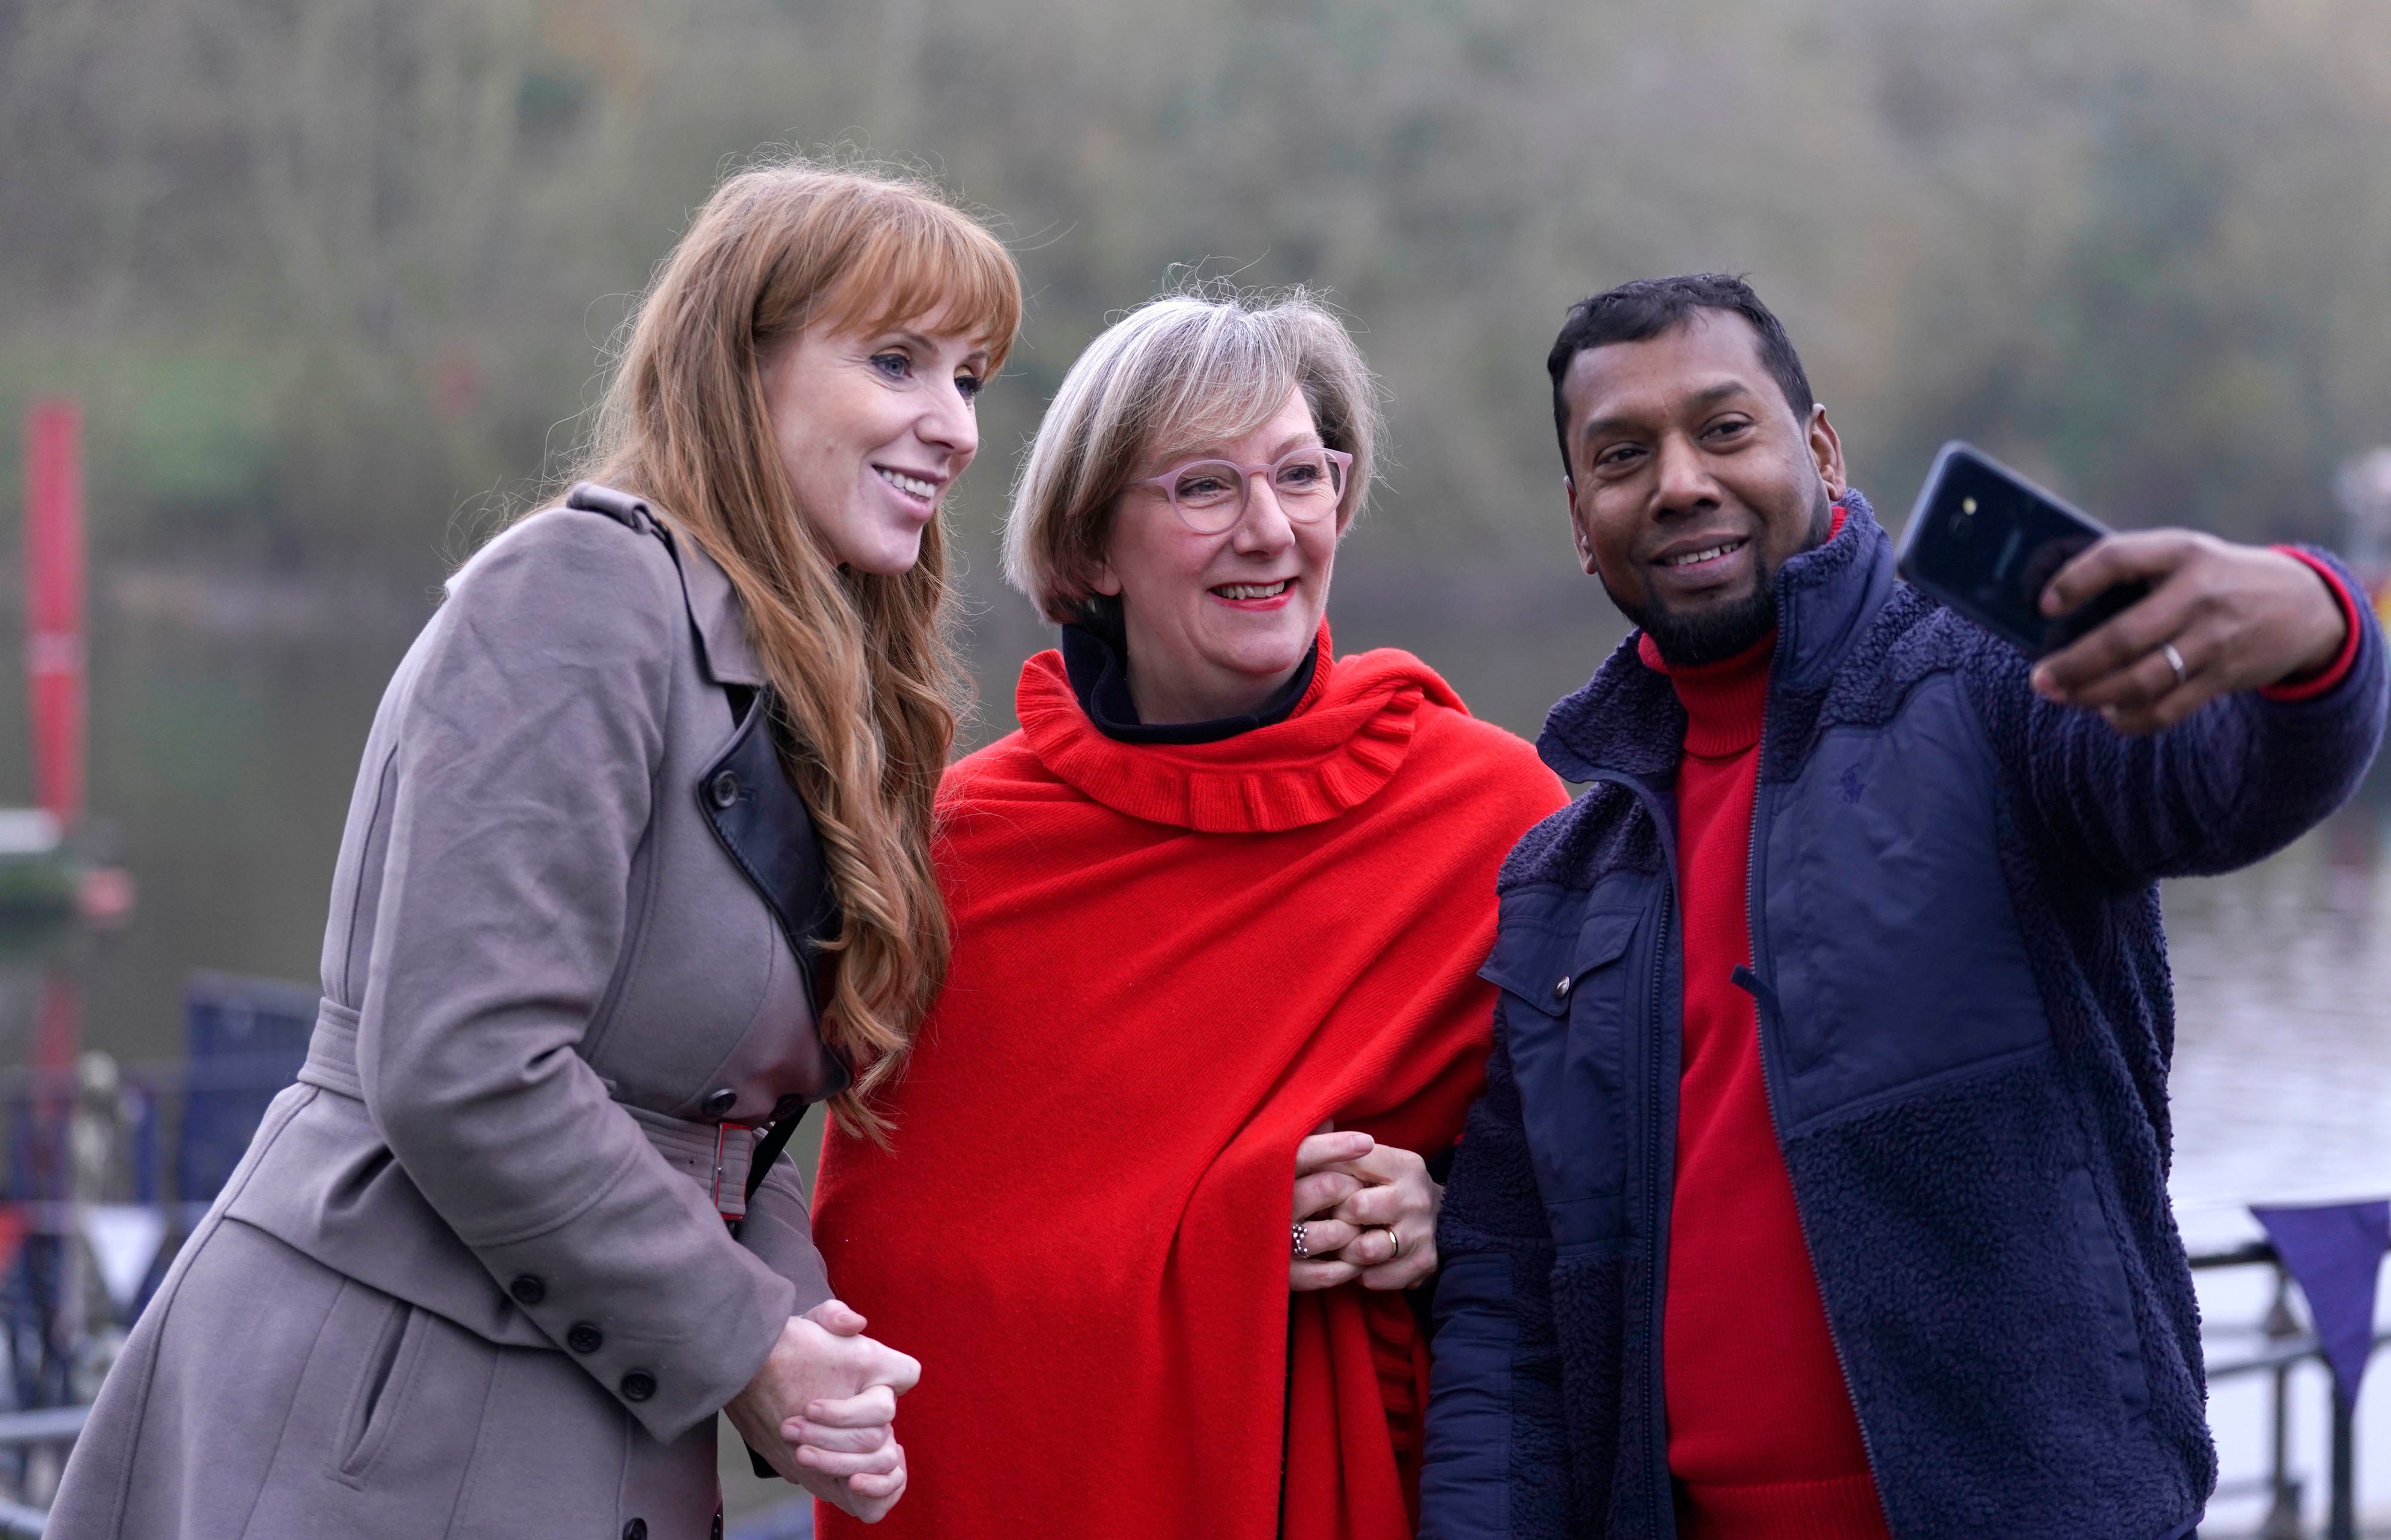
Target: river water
x,y
227,725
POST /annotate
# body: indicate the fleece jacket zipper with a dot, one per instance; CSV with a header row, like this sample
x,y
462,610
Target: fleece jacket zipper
x,y
1769,1016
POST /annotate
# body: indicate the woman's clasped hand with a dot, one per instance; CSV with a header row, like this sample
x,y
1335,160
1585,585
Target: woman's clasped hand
x,y
1363,1212
822,1410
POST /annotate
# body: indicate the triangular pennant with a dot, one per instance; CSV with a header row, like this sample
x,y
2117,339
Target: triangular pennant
x,y
124,1239
2335,1251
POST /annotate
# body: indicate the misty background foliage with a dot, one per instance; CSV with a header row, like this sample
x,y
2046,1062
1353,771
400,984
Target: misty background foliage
x,y
333,276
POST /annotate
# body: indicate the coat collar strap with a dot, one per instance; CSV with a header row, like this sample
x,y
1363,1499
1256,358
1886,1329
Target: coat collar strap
x,y
721,621
714,605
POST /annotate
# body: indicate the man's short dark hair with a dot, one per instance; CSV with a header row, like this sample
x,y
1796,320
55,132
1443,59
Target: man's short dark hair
x,y
1636,312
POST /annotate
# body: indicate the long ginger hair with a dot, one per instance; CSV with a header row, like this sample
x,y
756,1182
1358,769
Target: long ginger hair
x,y
863,671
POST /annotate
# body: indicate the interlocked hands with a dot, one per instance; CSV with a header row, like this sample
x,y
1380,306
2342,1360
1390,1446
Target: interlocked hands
x,y
1368,1212
821,1410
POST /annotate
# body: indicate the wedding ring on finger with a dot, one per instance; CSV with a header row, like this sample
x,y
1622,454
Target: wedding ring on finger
x,y
1395,1238
2174,661
1302,1247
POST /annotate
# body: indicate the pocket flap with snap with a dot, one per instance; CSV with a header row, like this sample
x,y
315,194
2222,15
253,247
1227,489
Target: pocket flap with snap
x,y
1542,963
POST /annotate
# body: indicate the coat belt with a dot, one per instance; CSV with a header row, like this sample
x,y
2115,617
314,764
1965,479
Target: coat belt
x,y
714,1155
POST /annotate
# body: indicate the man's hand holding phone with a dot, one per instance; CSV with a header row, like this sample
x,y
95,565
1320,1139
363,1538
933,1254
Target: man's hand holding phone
x,y
2219,618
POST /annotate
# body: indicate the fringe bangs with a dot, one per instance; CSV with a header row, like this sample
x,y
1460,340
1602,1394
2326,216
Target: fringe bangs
x,y
908,260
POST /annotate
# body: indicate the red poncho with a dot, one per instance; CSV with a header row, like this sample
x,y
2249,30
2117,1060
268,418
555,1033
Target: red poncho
x,y
1172,963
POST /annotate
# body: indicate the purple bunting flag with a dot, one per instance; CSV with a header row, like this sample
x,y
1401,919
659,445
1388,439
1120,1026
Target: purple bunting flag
x,y
2335,1253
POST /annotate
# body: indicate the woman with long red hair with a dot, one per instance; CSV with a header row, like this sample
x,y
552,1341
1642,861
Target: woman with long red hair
x,y
1161,1181
637,867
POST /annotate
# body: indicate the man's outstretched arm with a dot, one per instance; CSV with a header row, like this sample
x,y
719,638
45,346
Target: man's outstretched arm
x,y
1495,1466
2209,725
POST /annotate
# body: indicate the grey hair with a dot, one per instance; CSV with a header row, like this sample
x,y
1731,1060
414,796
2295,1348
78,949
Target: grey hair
x,y
1179,373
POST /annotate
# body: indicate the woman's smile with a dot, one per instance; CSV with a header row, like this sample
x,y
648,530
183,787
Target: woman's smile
x,y
1262,596
915,492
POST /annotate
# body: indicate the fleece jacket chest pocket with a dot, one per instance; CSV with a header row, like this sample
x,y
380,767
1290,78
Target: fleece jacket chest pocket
x,y
1570,978
1890,938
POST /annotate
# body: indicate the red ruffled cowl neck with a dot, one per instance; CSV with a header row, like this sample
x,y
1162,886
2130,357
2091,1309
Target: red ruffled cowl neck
x,y
1171,963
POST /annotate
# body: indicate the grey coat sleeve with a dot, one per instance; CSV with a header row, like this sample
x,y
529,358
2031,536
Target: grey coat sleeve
x,y
523,779
779,1229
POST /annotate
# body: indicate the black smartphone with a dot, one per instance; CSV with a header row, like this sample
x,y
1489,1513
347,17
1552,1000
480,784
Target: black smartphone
x,y
1986,542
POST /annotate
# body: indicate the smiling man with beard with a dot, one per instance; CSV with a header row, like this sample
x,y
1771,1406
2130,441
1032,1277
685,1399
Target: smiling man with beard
x,y
1818,1190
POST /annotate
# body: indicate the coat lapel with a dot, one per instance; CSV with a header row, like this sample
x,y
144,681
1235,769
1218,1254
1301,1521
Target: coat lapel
x,y
715,611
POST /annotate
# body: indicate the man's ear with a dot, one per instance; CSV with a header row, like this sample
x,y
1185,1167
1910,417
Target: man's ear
x,y
1826,452
1577,526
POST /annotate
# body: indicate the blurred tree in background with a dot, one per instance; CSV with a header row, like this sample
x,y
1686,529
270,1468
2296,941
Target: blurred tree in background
x,y
334,275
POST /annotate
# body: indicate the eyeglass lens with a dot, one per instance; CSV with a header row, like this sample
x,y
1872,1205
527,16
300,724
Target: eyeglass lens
x,y
1307,483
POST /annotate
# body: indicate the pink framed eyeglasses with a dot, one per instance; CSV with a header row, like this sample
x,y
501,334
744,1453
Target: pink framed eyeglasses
x,y
1210,495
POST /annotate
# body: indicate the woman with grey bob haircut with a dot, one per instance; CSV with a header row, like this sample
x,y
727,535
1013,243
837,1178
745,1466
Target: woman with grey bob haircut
x,y
1218,907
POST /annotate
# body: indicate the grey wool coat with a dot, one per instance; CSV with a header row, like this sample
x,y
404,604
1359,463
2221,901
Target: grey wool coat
x,y
474,1277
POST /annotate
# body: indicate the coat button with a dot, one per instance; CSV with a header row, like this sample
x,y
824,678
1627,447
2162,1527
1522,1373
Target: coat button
x,y
720,1103
787,1108
1560,990
581,1337
638,1385
723,789
636,1530
528,1290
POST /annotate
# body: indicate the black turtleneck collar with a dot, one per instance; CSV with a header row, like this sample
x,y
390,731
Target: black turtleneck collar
x,y
1098,666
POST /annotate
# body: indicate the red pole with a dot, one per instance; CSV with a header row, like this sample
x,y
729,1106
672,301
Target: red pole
x,y
54,593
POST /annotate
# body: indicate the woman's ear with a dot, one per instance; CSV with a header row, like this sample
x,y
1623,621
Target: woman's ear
x,y
1101,580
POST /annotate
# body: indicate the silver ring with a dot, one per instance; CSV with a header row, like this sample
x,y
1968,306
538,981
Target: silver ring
x,y
1302,1248
2174,661
1399,1244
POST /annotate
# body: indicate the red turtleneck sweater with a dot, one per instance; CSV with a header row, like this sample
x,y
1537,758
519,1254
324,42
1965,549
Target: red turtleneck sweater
x,y
1762,1438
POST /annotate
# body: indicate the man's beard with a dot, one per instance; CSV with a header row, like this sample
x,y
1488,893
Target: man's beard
x,y
1710,635
1720,631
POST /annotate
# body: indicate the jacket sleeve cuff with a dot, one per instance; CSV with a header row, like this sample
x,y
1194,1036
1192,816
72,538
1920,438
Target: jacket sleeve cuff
x,y
2307,686
665,1328
778,1231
